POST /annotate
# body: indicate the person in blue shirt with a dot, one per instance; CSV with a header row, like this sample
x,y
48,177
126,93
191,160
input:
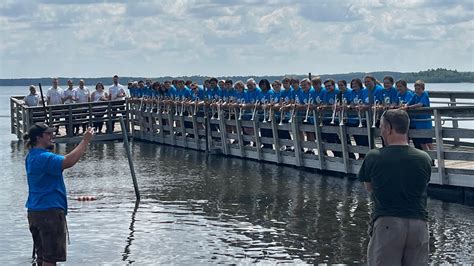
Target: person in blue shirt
x,y
252,99
319,90
266,97
304,100
374,91
295,86
214,93
329,98
47,199
286,94
349,118
421,121
358,96
404,95
389,93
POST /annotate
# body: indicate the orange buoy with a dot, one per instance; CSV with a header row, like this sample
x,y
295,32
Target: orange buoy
x,y
86,198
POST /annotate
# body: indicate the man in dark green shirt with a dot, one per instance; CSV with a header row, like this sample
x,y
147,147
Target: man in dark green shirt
x,y
397,177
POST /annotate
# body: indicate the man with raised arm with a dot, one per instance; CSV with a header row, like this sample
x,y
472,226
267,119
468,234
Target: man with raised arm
x,y
397,177
47,200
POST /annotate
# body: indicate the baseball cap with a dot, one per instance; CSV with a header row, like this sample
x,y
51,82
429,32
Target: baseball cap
x,y
39,128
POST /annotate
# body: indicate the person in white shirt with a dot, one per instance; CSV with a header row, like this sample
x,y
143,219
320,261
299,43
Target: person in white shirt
x,y
116,92
69,95
55,96
32,99
82,96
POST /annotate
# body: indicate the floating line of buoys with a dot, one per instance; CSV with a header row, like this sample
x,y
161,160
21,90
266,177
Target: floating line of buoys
x,y
86,198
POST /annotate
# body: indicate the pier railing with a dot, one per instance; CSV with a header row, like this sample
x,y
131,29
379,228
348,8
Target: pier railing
x,y
283,143
453,153
66,116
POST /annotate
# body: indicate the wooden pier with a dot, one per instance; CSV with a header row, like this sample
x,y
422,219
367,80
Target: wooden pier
x,y
452,133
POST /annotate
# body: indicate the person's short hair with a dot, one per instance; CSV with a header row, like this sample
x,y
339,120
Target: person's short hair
x,y
343,81
402,82
330,81
397,119
389,78
293,81
305,80
213,79
229,81
115,76
277,82
36,131
251,80
286,80
420,83
316,80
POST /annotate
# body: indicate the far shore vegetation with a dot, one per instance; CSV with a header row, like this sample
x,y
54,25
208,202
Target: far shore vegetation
x,y
439,75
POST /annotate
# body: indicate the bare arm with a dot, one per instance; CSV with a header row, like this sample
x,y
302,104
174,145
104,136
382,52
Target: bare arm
x,y
73,157
368,186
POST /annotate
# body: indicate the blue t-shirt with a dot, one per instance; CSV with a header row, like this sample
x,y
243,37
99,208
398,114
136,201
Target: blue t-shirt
x,y
287,95
266,97
360,94
319,95
213,93
253,96
389,96
404,98
425,100
376,95
46,189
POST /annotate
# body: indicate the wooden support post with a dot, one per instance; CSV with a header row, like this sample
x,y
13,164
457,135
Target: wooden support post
x,y
17,122
440,148
161,134
223,129
12,116
238,125
452,99
256,132
70,128
109,120
183,130
319,141
171,127
196,132
345,154
276,140
370,131
296,140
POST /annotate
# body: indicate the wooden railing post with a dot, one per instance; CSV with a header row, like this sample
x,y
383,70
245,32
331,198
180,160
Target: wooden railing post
x,y
440,148
452,99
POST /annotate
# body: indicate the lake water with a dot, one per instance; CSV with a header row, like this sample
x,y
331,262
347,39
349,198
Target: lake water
x,y
199,209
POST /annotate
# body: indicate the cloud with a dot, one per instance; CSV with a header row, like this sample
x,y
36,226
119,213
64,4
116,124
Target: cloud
x,y
154,37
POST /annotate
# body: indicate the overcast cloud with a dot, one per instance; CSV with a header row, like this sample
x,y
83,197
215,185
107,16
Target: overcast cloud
x,y
84,38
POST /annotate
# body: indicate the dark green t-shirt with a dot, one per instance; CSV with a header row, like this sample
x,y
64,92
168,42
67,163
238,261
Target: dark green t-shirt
x,y
399,175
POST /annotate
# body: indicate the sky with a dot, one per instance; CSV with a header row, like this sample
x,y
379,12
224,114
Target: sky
x,y
85,38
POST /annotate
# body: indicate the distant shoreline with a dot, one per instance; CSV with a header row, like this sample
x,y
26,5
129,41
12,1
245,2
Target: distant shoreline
x,y
439,75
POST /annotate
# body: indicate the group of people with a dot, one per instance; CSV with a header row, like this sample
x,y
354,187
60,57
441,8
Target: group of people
x,y
399,233
289,99
56,95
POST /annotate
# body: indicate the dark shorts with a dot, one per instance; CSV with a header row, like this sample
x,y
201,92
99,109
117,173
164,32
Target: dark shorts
x,y
48,229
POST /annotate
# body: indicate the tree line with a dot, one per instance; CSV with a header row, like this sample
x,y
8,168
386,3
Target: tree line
x,y
439,75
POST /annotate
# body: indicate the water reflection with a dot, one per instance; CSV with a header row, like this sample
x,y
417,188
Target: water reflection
x,y
131,236
212,209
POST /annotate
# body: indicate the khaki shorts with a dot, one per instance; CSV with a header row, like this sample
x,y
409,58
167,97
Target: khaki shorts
x,y
48,229
398,241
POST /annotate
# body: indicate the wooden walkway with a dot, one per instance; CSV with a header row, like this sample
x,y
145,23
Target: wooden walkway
x,y
150,121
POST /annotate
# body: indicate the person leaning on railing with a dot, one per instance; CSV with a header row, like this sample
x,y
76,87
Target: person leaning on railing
x,y
420,121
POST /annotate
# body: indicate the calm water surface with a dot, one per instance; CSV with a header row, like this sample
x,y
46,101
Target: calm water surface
x,y
206,209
